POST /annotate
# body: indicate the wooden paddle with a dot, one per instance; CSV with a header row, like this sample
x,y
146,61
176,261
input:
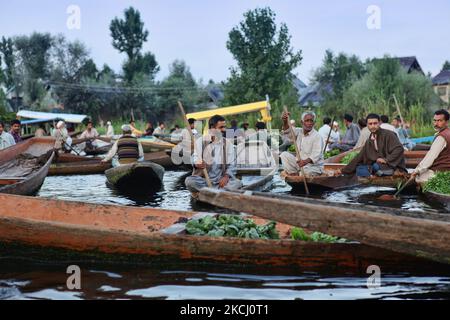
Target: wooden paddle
x,y
188,127
388,197
297,151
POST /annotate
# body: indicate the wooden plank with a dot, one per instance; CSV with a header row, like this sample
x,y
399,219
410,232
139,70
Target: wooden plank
x,y
406,234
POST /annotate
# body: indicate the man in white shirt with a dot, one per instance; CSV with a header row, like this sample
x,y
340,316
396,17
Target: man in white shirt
x,y
327,133
91,134
310,144
386,125
438,158
161,129
6,140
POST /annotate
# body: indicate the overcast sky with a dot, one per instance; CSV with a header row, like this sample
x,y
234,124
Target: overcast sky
x,y
197,30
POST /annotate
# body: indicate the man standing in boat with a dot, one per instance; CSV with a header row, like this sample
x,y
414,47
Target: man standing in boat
x,y
216,154
127,148
382,154
6,140
310,144
184,148
438,158
15,130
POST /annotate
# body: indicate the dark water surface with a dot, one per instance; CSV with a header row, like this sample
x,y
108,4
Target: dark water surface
x,y
29,279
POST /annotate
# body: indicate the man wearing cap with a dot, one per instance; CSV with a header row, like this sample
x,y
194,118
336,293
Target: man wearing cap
x,y
127,148
6,140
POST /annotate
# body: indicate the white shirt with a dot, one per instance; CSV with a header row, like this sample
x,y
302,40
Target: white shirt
x,y
310,146
6,140
389,127
160,131
110,131
438,145
324,131
90,135
363,137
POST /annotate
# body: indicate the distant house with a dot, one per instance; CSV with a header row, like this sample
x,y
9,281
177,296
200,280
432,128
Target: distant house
x,y
441,85
299,85
314,95
410,64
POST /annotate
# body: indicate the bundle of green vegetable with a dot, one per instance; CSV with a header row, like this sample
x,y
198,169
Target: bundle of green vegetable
x,y
300,234
226,225
331,153
440,183
348,158
292,148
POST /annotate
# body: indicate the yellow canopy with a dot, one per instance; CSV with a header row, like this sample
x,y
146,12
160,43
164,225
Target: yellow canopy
x,y
263,107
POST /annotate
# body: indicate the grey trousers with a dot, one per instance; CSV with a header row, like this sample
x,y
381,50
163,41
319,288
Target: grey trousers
x,y
195,183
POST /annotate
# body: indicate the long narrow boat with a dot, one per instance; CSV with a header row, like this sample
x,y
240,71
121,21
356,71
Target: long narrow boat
x,y
70,157
320,183
421,234
412,158
74,231
139,177
79,168
163,158
151,144
24,166
98,151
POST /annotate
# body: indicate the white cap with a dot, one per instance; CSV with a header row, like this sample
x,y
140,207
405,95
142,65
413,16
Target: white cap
x,y
126,127
108,123
60,124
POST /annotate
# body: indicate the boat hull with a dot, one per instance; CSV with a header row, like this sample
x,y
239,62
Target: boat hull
x,y
50,228
136,177
30,184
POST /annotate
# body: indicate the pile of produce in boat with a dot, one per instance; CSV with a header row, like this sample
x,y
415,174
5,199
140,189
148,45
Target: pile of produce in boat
x,y
227,225
439,183
300,234
331,153
348,158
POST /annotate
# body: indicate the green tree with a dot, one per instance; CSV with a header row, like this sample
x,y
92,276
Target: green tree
x,y
10,73
34,61
446,65
264,56
179,85
129,37
339,72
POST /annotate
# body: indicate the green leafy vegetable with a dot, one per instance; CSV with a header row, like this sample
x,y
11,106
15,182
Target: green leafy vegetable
x,y
440,183
331,153
349,157
227,225
300,234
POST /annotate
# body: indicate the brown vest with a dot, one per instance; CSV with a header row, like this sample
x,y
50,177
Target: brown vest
x,y
442,162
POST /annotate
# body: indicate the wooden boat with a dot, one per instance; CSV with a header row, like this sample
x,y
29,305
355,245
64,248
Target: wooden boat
x,y
443,199
79,168
76,231
24,166
389,181
415,233
151,144
174,139
70,157
321,183
99,150
412,158
139,177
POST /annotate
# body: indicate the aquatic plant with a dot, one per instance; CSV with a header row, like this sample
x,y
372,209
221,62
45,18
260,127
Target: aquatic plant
x,y
300,234
349,157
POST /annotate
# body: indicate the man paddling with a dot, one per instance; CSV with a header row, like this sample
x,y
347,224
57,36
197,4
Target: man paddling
x,y
438,158
90,134
127,148
215,153
310,145
382,154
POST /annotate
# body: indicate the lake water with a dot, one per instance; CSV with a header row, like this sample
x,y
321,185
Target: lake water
x,y
26,278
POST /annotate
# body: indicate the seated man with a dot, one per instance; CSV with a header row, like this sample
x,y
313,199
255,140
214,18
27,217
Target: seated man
x,y
351,135
6,140
216,154
438,158
403,134
381,155
63,140
15,130
90,134
127,148
309,143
